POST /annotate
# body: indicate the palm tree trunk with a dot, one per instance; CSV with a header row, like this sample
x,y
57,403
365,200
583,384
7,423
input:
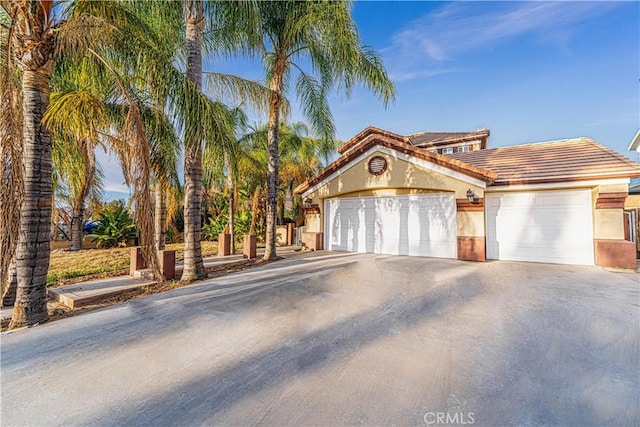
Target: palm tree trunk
x,y
77,218
254,210
11,285
77,221
275,101
193,265
33,251
160,218
232,207
11,187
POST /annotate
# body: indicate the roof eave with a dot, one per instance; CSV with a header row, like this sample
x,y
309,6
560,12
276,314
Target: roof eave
x,y
567,178
635,142
370,140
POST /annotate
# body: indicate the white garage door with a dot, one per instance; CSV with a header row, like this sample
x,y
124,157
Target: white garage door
x,y
540,226
421,225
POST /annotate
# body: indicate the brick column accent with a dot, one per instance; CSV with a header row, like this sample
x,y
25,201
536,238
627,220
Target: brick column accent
x,y
249,247
224,244
290,228
136,260
167,264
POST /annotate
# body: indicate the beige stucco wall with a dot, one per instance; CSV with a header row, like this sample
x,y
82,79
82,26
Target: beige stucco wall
x,y
615,188
608,224
633,201
401,177
470,224
313,223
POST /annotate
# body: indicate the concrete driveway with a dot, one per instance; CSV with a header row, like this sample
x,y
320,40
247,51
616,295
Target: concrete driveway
x,y
343,339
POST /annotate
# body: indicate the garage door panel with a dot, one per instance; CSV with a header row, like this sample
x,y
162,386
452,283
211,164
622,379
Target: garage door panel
x,y
544,226
422,225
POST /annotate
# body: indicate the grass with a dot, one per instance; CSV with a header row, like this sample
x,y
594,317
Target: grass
x,y
67,265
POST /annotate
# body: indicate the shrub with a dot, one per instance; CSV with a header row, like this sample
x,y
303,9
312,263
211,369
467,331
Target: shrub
x,y
116,226
215,226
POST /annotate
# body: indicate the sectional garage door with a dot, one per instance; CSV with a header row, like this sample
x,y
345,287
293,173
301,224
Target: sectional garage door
x,y
540,226
421,225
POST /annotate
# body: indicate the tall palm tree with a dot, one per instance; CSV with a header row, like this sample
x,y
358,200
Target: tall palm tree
x,y
34,39
11,142
75,117
300,156
232,26
193,264
324,33
32,42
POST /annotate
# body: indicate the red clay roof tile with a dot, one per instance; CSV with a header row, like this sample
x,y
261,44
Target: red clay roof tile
x,y
553,161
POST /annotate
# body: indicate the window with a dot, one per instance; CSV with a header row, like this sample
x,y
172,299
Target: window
x,y
463,149
447,150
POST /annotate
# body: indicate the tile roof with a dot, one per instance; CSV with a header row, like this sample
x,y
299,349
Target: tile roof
x,y
553,161
370,130
357,146
434,139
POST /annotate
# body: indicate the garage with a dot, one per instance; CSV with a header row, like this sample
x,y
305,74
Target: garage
x,y
558,202
540,226
419,225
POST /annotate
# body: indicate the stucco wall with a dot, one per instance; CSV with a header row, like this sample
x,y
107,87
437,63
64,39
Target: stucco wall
x,y
400,174
401,177
633,201
608,224
313,223
470,224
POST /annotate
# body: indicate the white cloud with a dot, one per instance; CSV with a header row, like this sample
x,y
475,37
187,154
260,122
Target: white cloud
x,y
461,27
400,76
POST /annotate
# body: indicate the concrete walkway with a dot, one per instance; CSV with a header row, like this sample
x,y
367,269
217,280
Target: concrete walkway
x,y
93,291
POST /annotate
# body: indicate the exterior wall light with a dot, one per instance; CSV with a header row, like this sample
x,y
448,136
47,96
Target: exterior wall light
x,y
307,203
471,197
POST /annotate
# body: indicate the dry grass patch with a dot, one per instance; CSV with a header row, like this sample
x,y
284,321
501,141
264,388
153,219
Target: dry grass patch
x,y
67,267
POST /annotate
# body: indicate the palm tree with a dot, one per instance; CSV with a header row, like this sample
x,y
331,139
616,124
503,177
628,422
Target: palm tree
x,y
32,42
34,39
323,32
11,184
75,117
300,156
193,264
232,27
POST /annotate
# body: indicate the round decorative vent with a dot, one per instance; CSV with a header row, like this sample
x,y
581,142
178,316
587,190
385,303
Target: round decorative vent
x,y
377,165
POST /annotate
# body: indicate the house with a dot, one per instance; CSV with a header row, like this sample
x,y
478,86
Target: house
x,y
635,143
632,204
445,142
557,202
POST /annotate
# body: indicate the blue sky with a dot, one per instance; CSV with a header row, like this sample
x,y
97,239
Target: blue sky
x,y
528,71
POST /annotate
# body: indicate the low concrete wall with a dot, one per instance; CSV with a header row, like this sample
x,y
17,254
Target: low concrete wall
x,y
314,241
615,253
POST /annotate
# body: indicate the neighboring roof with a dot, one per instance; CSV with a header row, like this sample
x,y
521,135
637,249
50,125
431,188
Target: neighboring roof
x,y
635,142
434,139
372,136
421,139
553,161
